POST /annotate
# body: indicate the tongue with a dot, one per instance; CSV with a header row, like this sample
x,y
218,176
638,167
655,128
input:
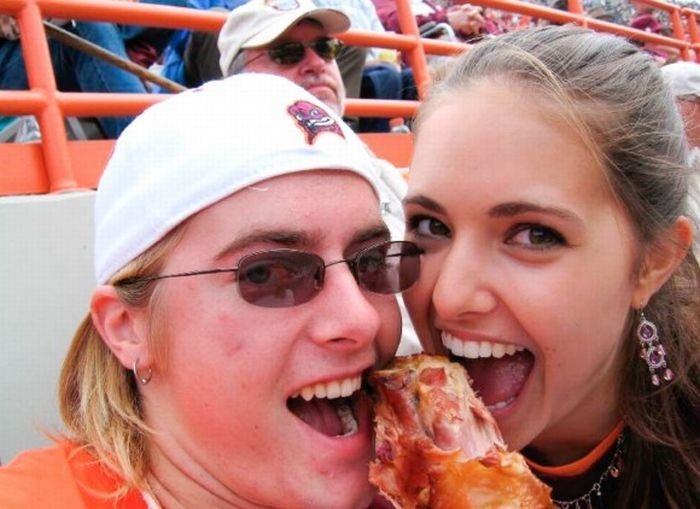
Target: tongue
x,y
497,380
320,414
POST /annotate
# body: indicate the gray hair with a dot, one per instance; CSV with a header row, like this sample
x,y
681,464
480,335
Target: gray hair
x,y
237,64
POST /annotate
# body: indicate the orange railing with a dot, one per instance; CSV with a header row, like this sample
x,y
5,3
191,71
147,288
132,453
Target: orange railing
x,y
57,165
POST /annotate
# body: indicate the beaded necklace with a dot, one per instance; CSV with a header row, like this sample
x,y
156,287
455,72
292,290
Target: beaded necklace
x,y
612,471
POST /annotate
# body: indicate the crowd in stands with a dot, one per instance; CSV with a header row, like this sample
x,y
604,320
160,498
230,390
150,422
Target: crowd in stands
x,y
192,58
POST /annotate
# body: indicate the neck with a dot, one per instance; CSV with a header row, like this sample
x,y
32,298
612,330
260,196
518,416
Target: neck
x,y
585,462
178,481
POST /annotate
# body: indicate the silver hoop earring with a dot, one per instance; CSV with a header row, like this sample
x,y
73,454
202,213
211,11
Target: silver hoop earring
x,y
653,351
143,379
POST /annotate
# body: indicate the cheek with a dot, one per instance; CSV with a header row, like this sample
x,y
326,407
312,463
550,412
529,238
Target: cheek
x,y
389,332
419,303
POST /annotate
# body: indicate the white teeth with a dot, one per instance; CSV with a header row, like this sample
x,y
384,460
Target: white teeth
x,y
498,350
471,349
331,390
500,404
478,349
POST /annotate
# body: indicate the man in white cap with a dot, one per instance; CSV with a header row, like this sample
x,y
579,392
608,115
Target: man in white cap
x,y
294,39
289,38
201,55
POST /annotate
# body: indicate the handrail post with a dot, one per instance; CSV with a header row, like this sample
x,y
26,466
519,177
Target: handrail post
x,y
692,24
416,55
40,75
678,31
575,7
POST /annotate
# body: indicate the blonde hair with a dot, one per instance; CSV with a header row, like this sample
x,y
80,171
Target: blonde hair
x,y
614,97
98,397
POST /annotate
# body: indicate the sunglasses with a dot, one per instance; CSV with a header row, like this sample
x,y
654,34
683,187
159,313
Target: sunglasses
x,y
282,278
290,53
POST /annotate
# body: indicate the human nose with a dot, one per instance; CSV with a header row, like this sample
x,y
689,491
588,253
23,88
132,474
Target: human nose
x,y
345,317
463,285
312,61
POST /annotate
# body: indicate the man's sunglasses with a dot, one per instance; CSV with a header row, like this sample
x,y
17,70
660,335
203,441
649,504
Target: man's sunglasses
x,y
290,53
281,278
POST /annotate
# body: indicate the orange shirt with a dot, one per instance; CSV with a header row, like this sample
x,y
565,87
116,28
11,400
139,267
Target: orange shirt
x,y
61,477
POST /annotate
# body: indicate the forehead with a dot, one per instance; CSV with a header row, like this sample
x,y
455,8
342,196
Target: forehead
x,y
488,133
323,205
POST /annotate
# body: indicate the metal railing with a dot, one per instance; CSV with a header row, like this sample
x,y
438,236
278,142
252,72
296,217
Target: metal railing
x,y
58,165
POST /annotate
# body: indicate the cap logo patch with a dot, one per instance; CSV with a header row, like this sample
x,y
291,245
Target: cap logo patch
x,y
282,5
313,120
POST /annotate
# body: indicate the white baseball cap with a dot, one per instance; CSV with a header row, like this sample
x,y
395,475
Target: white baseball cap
x,y
259,22
683,78
200,146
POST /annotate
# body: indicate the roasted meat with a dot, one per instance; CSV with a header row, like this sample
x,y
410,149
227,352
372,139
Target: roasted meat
x,y
438,447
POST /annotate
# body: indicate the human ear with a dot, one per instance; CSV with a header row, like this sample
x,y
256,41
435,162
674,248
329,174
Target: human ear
x,y
121,327
662,259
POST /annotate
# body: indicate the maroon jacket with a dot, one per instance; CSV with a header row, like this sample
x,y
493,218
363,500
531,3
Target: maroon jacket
x,y
386,10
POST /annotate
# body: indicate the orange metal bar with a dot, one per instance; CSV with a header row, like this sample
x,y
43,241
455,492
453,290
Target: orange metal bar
x,y
35,50
576,7
134,13
416,55
56,164
21,102
693,32
380,108
678,32
83,104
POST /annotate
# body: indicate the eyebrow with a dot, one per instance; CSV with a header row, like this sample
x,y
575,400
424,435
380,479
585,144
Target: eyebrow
x,y
510,209
298,239
503,210
425,202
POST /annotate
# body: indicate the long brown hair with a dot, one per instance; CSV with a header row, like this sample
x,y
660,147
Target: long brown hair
x,y
613,95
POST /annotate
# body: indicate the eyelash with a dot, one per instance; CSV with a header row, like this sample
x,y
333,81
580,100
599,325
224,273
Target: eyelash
x,y
414,227
553,240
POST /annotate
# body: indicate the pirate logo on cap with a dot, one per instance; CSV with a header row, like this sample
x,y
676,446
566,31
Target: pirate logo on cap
x,y
313,120
282,5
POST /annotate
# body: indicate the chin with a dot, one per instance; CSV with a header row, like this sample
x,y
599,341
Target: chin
x,y
345,496
329,99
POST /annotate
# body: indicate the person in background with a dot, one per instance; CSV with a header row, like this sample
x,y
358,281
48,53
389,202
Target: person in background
x,y
465,21
77,71
295,40
192,58
381,75
239,303
559,271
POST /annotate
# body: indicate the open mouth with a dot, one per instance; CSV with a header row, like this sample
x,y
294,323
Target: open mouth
x,y
331,408
498,371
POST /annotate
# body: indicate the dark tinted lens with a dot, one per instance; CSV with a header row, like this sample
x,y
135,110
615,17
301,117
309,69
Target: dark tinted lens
x,y
327,49
390,267
287,53
279,279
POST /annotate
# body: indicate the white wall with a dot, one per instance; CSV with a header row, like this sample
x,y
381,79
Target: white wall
x,y
45,283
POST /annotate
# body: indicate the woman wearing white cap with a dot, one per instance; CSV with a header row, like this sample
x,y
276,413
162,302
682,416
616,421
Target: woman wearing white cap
x,y
246,282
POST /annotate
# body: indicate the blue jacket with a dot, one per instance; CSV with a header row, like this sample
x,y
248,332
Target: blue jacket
x,y
173,56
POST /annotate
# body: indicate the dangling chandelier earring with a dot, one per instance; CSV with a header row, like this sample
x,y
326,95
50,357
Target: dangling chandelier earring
x,y
653,351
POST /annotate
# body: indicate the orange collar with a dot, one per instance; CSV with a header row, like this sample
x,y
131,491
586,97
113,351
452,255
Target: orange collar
x,y
582,465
